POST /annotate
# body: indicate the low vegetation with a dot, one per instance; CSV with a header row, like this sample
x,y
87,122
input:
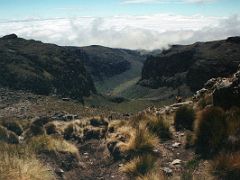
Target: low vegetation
x,y
184,118
211,133
139,166
8,136
226,166
159,126
13,126
45,143
20,163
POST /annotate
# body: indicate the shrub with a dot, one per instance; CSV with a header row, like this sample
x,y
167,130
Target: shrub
x,y
184,118
159,127
14,127
226,166
211,133
19,163
139,166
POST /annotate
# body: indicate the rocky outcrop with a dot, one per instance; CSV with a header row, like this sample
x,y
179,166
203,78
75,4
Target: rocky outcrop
x,y
227,92
43,68
192,65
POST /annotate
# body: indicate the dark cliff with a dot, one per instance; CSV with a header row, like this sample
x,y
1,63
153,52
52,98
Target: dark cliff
x,y
192,64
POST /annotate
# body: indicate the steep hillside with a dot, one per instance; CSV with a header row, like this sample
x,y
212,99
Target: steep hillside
x,y
43,68
113,70
192,65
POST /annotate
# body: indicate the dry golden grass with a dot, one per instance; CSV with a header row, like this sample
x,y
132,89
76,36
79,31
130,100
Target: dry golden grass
x,y
19,163
226,166
134,141
152,176
144,141
52,144
137,141
160,127
139,166
115,124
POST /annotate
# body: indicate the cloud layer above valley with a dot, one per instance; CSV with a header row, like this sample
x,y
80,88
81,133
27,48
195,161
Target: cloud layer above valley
x,y
133,32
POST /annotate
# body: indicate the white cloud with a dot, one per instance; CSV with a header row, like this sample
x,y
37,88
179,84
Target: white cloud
x,y
134,32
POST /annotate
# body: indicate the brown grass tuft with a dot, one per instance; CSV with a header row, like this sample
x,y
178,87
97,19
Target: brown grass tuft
x,y
52,144
226,166
139,166
19,163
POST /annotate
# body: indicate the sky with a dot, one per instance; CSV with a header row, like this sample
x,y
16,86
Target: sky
x,y
133,24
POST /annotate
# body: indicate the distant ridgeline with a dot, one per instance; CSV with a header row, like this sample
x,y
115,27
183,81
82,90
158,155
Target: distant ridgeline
x,y
43,68
192,65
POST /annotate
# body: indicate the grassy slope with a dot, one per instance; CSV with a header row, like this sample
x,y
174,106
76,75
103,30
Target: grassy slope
x,y
116,84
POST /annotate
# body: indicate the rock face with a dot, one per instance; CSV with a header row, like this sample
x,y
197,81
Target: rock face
x,y
192,65
227,92
43,68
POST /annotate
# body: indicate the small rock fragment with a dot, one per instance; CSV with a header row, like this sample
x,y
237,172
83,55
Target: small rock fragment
x,y
167,171
176,162
176,145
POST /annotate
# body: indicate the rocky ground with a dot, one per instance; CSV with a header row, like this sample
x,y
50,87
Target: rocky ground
x,y
95,161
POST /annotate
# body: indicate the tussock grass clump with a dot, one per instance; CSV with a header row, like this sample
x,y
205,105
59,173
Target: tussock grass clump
x,y
205,101
35,130
19,163
100,121
8,136
69,131
143,142
160,127
13,126
233,130
115,124
130,142
184,118
139,166
226,166
51,128
47,143
12,138
3,134
211,131
152,176
139,118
